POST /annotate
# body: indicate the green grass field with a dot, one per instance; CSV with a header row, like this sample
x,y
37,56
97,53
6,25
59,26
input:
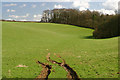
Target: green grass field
x,y
25,42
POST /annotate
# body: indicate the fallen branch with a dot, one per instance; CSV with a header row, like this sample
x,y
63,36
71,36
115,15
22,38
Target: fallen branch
x,y
71,73
45,71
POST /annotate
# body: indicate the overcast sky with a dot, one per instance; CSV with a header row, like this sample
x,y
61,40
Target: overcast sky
x,y
23,10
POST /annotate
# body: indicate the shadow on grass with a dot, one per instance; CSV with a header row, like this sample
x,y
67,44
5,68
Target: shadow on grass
x,y
91,37
88,37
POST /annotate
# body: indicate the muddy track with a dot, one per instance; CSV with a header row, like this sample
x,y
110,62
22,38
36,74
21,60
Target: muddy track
x,y
45,71
71,74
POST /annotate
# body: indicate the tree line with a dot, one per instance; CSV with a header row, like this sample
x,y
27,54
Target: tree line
x,y
105,26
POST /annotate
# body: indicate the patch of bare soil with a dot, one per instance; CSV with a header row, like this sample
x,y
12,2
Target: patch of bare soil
x,y
71,74
21,65
45,71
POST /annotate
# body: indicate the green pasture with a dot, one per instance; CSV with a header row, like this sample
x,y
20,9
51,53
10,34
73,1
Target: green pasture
x,y
23,43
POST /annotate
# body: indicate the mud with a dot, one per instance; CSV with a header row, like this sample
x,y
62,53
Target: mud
x,y
71,74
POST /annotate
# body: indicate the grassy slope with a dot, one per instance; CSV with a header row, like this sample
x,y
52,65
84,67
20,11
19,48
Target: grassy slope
x,y
25,42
